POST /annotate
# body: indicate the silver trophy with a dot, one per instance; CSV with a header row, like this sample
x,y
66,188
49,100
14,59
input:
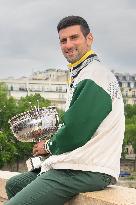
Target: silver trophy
x,y
35,125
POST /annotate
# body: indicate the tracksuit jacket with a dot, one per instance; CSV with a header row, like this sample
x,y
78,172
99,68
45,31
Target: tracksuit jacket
x,y
91,136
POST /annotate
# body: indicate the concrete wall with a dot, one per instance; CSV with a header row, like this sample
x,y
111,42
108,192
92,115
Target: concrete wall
x,y
113,195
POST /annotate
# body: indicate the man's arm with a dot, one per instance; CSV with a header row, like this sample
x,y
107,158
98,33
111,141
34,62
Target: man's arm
x,y
89,107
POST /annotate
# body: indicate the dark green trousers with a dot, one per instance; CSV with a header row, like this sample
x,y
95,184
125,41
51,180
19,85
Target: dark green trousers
x,y
54,187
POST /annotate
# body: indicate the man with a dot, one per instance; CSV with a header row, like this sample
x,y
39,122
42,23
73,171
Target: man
x,y
85,152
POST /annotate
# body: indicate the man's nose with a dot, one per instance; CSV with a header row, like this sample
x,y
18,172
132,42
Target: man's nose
x,y
69,44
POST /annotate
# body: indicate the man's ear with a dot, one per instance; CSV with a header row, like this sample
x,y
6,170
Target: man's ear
x,y
89,38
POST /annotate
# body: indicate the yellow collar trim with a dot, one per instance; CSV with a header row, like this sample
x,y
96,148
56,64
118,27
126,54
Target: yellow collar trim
x,y
81,59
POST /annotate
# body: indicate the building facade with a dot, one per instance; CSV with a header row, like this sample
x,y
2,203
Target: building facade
x,y
50,84
127,84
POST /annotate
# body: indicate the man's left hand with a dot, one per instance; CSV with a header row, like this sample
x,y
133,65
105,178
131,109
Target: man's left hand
x,y
39,149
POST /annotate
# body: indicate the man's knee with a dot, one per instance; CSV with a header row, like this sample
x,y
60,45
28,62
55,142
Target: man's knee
x,y
18,182
10,187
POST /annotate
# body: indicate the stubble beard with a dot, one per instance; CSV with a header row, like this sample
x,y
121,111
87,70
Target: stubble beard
x,y
74,59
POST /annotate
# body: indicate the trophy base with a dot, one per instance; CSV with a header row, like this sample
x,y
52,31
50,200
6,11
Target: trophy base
x,y
34,163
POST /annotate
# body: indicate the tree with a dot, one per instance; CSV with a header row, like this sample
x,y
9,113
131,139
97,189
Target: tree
x,y
3,92
130,111
130,135
130,131
11,149
7,111
29,102
130,128
7,150
7,107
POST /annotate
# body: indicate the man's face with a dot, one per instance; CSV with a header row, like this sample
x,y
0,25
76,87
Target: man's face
x,y
73,43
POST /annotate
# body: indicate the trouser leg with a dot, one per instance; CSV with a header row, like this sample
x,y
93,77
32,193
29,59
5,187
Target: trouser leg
x,y
57,187
18,182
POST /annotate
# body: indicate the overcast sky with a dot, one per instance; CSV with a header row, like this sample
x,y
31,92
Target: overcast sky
x,y
29,40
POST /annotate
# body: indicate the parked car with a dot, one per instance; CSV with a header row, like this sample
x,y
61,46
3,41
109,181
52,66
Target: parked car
x,y
124,174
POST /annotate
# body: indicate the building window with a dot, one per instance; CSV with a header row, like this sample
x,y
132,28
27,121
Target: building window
x,y
120,84
132,84
128,84
61,96
124,85
60,88
22,89
133,94
57,89
11,88
127,150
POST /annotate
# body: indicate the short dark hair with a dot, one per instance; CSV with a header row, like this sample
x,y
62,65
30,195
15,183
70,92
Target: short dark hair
x,y
74,20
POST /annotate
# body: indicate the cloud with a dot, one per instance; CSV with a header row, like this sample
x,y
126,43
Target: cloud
x,y
29,38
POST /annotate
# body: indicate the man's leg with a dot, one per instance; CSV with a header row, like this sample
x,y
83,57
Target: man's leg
x,y
18,182
57,187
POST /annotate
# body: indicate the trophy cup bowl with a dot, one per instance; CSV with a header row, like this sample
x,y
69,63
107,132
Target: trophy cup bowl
x,y
35,124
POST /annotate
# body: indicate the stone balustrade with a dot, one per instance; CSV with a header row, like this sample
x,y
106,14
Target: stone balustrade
x,y
4,176
113,195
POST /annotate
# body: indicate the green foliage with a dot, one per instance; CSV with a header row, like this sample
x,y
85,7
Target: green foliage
x,y
3,92
130,135
7,107
7,111
130,127
130,111
11,149
60,113
29,102
7,150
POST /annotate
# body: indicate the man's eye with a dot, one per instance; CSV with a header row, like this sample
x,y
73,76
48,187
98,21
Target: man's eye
x,y
63,41
74,37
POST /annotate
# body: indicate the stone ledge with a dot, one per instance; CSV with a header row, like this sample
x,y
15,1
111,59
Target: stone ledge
x,y
113,195
2,201
4,176
127,183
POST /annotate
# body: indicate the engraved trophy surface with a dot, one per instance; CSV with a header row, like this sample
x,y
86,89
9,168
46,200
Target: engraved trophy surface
x,y
35,125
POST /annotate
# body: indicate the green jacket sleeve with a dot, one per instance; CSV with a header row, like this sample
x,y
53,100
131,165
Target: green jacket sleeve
x,y
89,107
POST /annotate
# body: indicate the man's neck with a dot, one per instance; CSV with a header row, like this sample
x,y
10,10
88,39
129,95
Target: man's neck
x,y
81,59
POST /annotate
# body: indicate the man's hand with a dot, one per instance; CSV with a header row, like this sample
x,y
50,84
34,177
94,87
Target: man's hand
x,y
39,149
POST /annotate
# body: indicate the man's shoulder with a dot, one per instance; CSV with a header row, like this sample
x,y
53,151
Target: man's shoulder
x,y
98,67
99,74
97,71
